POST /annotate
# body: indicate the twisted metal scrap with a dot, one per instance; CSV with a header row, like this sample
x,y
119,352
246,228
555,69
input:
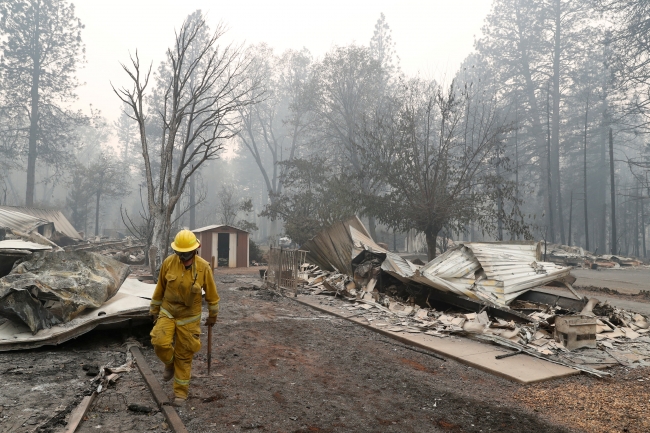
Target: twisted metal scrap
x,y
50,288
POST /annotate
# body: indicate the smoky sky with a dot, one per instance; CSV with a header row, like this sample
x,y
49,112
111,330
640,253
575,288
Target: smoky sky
x,y
432,37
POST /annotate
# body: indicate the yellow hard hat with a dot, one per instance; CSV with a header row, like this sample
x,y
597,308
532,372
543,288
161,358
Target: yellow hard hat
x,y
185,241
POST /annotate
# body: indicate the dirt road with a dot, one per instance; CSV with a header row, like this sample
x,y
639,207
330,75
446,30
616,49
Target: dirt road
x,y
288,368
279,366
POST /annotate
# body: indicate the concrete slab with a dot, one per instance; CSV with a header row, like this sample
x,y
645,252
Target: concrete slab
x,y
519,368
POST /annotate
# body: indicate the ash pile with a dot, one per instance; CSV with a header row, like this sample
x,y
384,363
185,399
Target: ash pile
x,y
483,291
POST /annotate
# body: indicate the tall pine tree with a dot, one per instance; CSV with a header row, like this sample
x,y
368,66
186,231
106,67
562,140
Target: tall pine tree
x,y
41,49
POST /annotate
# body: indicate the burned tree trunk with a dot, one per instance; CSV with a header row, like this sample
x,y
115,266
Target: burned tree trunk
x,y
34,115
555,142
643,224
551,221
431,234
98,194
585,176
613,191
636,222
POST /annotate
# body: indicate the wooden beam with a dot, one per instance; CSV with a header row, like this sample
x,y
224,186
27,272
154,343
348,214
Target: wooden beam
x,y
79,412
158,393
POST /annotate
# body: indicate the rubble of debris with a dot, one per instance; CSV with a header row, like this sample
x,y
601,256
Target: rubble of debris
x,y
576,256
127,250
492,272
478,290
597,336
25,230
55,285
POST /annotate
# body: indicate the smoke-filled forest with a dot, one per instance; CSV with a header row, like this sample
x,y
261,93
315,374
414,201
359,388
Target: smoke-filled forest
x,y
540,134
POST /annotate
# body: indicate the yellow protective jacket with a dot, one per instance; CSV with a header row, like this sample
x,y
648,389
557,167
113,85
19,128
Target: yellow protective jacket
x,y
178,292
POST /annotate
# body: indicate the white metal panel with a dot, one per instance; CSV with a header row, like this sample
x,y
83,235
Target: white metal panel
x,y
453,263
232,253
399,265
18,244
215,245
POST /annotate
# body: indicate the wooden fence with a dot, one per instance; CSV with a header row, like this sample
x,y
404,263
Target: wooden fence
x,y
283,268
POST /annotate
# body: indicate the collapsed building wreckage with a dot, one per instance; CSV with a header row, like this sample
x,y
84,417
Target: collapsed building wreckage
x,y
481,290
50,293
48,289
24,230
495,273
51,297
577,256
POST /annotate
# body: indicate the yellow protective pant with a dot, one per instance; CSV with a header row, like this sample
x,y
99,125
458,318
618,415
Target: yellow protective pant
x,y
187,343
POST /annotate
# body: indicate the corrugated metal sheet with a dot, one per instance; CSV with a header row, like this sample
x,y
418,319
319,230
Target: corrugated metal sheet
x,y
333,248
494,272
517,266
19,221
453,263
61,223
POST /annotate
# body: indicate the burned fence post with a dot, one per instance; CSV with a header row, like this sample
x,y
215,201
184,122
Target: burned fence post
x,y
282,272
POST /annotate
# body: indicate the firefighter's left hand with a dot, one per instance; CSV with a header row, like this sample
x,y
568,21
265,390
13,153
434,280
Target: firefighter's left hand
x,y
210,321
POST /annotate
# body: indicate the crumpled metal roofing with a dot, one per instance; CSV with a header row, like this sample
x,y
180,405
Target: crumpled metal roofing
x,y
332,248
20,221
47,289
493,272
61,223
515,268
19,244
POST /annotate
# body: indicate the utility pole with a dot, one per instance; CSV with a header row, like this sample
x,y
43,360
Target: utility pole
x,y
613,189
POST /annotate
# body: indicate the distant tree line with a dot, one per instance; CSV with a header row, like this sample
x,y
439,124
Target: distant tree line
x,y
541,133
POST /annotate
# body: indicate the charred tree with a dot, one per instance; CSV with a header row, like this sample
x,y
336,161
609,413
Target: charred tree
x,y
584,174
195,121
612,191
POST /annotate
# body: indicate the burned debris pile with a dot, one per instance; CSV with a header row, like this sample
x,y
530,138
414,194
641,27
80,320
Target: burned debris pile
x,y
24,230
578,257
54,285
126,250
543,328
481,291
495,273
47,289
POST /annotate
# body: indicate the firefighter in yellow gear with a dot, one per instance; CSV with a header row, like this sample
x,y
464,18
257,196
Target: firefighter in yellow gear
x,y
176,310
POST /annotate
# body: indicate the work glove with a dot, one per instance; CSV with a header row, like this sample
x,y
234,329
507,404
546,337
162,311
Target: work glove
x,y
211,321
